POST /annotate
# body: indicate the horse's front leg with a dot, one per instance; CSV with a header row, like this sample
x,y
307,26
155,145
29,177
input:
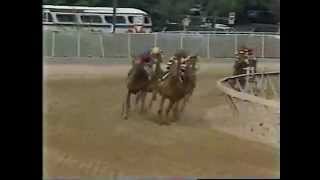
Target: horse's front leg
x,y
127,106
161,106
143,99
184,102
176,110
138,96
169,108
154,97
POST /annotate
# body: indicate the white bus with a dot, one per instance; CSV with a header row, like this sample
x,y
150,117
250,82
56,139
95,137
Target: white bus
x,y
68,18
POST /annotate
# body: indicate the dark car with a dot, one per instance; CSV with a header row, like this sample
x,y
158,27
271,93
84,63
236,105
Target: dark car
x,y
259,16
266,29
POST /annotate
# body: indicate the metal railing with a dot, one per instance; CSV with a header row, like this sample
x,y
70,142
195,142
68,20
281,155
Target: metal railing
x,y
224,32
105,45
259,89
254,100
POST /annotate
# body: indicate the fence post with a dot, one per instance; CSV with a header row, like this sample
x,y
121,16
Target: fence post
x,y
208,47
101,44
262,46
53,43
78,44
181,41
155,42
129,46
235,43
213,46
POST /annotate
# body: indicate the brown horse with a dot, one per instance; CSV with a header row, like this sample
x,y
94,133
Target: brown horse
x,y
153,83
171,88
137,82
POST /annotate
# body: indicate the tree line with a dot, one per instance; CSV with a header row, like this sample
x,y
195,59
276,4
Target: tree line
x,y
163,10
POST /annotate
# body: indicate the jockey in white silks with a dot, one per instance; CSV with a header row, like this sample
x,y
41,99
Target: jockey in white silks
x,y
173,59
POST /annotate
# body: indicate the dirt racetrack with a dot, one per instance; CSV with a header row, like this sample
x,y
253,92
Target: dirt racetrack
x,y
84,134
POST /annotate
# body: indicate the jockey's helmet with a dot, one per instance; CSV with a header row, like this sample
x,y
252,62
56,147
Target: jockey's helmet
x,y
155,50
241,52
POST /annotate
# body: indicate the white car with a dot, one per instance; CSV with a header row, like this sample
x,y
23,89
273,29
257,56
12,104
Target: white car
x,y
222,27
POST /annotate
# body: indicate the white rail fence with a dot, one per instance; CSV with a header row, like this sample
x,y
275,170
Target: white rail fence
x,y
108,45
255,104
259,88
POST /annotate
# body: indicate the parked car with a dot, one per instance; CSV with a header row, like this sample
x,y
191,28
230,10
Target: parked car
x,y
222,27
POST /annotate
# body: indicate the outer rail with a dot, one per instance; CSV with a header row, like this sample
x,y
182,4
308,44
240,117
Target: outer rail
x,y
222,85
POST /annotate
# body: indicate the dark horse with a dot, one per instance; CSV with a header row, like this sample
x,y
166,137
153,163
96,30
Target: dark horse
x,y
137,82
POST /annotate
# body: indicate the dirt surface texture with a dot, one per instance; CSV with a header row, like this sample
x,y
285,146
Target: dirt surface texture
x,y
85,136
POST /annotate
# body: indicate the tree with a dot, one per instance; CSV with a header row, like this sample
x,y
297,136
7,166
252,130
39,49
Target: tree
x,y
162,10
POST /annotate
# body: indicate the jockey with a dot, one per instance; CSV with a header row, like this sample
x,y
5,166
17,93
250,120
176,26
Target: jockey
x,y
241,54
241,62
251,59
179,54
148,59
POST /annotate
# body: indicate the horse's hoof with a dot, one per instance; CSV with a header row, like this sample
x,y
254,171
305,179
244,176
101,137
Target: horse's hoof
x,y
125,117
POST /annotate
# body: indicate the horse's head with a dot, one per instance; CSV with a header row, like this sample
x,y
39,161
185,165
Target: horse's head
x,y
191,61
